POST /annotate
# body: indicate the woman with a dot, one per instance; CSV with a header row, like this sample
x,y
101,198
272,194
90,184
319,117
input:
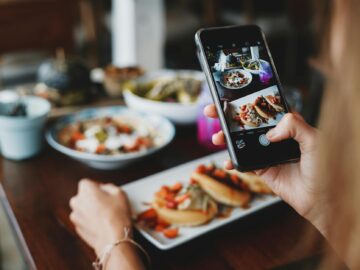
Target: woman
x,y
323,187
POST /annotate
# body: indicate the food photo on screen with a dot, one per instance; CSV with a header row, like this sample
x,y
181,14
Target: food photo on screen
x,y
240,71
258,110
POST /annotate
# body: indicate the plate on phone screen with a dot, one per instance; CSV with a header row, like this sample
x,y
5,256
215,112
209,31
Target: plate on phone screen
x,y
142,192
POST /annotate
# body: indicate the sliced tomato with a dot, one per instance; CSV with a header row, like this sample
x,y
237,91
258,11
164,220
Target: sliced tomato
x,y
147,215
171,204
162,222
193,181
234,178
163,192
171,233
201,169
101,149
219,173
176,187
77,135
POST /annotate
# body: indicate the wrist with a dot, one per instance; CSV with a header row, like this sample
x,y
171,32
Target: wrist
x,y
319,218
111,235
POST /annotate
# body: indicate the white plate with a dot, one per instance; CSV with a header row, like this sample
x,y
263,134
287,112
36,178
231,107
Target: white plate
x,y
246,74
142,191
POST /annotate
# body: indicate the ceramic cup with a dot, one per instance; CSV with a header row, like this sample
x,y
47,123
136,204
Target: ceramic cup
x,y
7,100
22,137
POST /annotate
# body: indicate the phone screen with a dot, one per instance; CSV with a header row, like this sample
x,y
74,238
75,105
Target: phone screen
x,y
246,86
249,93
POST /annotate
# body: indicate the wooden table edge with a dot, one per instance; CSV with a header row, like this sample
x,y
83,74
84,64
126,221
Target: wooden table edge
x,y
14,225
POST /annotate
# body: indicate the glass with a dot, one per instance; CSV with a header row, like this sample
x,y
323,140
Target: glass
x,y
265,74
206,127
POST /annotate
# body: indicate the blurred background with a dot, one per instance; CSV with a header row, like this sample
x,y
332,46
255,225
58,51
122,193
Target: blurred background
x,y
151,34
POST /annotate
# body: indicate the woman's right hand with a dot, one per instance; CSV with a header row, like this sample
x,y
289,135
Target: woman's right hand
x,y
295,183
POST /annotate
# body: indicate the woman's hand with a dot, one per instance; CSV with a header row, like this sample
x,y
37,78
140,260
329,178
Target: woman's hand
x,y
100,212
295,183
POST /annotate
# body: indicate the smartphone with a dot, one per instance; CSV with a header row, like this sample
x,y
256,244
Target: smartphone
x,y
247,93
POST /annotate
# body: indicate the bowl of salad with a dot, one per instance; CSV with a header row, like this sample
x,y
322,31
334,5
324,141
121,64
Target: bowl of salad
x,y
110,137
170,93
255,66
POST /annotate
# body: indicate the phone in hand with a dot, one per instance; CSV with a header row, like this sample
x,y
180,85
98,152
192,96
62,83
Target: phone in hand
x,y
247,93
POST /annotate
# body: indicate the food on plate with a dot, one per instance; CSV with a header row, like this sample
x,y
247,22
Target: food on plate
x,y
243,58
253,182
254,65
178,205
248,116
222,186
109,135
181,89
117,78
275,102
212,193
264,109
184,206
151,220
235,79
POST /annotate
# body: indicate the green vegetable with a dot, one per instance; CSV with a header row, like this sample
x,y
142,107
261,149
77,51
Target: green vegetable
x,y
101,136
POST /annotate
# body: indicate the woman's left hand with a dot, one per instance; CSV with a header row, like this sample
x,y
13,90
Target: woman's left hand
x,y
100,212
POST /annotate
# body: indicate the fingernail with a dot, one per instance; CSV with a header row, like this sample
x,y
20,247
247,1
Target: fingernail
x,y
271,134
213,138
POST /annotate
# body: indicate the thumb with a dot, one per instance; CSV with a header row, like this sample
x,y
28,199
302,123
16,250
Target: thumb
x,y
293,126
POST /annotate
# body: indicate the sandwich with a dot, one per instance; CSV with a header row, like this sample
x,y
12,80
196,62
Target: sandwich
x,y
248,116
254,183
184,206
275,102
264,109
222,186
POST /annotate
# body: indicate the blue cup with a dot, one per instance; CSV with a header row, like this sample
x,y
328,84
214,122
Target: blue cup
x,y
21,137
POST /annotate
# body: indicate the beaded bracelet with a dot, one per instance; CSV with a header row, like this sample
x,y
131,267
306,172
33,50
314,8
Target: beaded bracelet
x,y
99,263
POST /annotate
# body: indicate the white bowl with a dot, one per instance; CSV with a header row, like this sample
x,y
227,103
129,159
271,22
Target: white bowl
x,y
164,127
256,72
178,113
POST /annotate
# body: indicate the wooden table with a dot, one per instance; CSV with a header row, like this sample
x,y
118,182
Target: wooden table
x,y
36,193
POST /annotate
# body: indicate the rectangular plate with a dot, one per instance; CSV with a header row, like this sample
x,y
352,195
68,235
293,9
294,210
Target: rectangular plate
x,y
142,191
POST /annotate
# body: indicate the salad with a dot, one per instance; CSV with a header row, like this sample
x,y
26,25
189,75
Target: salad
x,y
108,136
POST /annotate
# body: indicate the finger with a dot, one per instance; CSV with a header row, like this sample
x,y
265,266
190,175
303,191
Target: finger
x,y
293,126
210,111
117,191
228,165
218,138
79,206
73,203
75,218
111,189
268,175
87,185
